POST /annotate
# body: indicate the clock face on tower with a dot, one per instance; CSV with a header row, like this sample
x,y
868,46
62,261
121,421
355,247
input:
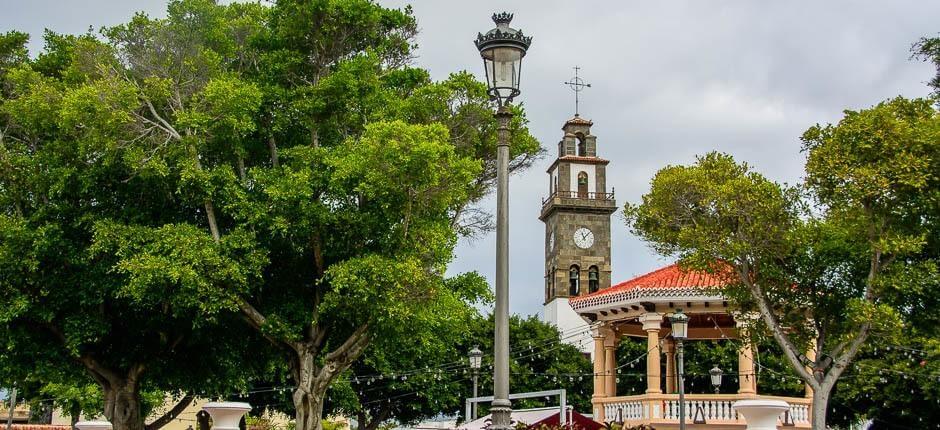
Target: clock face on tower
x,y
583,238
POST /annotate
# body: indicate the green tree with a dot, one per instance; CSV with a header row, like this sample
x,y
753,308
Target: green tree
x,y
818,265
70,174
928,49
540,359
236,159
431,376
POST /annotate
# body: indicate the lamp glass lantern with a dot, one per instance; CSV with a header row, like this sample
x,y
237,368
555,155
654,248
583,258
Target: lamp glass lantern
x,y
502,50
680,325
476,358
715,373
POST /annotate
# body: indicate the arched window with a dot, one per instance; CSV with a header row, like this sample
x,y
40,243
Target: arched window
x,y
574,281
593,279
582,146
582,185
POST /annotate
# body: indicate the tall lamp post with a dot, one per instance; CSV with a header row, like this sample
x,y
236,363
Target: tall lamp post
x,y
476,360
680,331
502,49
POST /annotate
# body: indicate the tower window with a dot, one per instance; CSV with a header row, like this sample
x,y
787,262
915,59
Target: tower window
x,y
582,146
582,185
574,281
593,280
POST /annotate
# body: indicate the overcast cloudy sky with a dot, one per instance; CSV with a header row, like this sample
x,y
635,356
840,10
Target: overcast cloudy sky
x,y
670,79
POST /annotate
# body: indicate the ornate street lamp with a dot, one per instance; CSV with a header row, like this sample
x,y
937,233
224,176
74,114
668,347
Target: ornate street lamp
x,y
476,360
716,374
680,331
502,49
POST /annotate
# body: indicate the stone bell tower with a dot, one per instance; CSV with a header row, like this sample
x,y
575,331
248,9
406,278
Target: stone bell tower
x,y
576,214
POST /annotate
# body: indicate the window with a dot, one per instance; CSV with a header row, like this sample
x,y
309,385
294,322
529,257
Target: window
x,y
582,185
593,279
574,281
582,146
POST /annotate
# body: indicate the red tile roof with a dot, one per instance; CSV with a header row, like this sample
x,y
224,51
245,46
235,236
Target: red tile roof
x,y
667,277
579,121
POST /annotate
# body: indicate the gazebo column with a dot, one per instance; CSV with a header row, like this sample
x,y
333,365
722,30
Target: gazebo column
x,y
747,378
651,324
610,361
811,356
669,347
599,367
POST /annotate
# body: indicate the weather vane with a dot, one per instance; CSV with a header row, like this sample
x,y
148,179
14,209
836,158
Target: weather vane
x,y
577,85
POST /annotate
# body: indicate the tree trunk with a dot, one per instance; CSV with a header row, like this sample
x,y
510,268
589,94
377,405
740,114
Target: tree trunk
x,y
309,392
820,406
122,407
309,409
75,413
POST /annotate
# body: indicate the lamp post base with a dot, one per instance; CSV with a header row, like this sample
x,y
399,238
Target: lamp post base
x,y
501,415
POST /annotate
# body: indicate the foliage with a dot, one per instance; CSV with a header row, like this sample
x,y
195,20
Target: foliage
x,y
928,49
226,163
820,263
540,359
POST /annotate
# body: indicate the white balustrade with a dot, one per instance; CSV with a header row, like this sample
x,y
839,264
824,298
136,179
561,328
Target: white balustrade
x,y
625,411
712,410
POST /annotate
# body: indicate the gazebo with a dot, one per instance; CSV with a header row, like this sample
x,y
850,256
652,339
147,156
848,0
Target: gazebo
x,y
641,308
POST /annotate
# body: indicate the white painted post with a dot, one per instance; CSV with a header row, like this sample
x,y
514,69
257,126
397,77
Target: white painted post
x,y
760,414
226,415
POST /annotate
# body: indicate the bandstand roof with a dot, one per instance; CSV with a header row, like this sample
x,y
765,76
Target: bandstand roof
x,y
661,290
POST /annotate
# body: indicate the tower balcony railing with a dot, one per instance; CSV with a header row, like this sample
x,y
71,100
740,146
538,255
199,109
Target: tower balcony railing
x,y
579,195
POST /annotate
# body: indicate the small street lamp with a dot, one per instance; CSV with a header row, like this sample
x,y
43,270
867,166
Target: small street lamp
x,y
476,360
502,49
680,331
716,374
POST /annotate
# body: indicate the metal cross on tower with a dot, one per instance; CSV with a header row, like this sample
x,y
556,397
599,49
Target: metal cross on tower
x,y
577,85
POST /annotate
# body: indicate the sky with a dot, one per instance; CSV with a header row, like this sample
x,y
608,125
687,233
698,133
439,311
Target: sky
x,y
669,80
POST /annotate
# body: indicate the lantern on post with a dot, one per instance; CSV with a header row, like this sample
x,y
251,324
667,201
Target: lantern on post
x,y
502,49
716,374
680,331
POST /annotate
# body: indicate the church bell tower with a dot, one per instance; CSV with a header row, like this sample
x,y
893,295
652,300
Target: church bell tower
x,y
576,214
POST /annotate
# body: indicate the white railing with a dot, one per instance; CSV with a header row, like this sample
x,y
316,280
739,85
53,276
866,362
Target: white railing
x,y
712,409
626,411
700,409
799,413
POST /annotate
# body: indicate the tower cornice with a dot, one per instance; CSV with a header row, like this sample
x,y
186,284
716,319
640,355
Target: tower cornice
x,y
576,159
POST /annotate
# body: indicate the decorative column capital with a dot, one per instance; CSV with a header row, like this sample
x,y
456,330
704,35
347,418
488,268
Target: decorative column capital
x,y
652,321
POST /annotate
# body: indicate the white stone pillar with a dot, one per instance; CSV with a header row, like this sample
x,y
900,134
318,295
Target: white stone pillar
x,y
226,415
760,414
93,425
651,324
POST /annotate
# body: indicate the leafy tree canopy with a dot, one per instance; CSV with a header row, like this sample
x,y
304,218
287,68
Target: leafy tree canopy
x,y
821,260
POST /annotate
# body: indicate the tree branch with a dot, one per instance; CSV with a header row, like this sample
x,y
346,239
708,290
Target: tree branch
x,y
257,320
776,330
170,415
